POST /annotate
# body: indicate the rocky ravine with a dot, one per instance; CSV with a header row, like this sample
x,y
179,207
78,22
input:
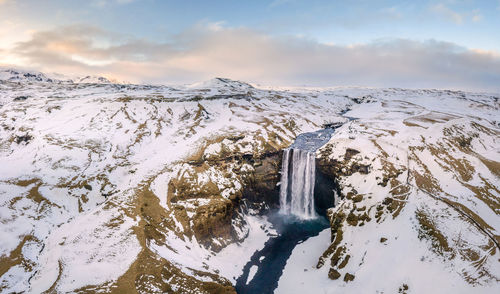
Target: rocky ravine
x,y
134,188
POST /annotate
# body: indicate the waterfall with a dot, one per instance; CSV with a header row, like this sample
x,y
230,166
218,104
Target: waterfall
x,y
297,183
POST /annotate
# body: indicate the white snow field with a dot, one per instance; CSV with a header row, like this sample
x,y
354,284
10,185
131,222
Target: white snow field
x,y
87,169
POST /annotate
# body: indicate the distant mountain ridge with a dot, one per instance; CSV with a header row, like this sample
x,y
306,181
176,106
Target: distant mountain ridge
x,y
222,83
19,75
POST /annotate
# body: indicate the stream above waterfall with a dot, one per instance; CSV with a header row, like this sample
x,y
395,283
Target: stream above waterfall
x,y
312,141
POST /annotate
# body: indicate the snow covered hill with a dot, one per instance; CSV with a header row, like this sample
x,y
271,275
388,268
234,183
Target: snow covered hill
x,y
18,75
121,188
425,216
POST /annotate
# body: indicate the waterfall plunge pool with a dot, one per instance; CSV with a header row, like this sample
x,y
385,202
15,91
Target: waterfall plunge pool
x,y
271,260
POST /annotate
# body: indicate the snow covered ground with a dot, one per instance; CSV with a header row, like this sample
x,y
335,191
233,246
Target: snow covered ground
x,y
86,175
424,217
300,275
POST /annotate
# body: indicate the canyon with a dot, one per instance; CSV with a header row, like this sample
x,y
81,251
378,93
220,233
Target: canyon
x,y
224,187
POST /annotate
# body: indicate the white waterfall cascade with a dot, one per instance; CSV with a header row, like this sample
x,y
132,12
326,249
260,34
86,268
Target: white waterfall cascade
x,y
297,183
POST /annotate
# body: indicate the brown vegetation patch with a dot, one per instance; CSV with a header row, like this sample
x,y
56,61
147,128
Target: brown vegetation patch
x,y
424,180
150,272
487,194
432,117
412,124
428,230
492,165
459,166
16,257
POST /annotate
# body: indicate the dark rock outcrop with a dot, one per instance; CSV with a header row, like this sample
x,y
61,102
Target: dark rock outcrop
x,y
261,185
325,189
213,221
20,98
23,139
332,169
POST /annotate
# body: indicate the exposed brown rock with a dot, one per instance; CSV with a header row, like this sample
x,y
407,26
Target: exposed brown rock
x,y
336,168
333,274
349,153
213,221
345,261
261,185
348,277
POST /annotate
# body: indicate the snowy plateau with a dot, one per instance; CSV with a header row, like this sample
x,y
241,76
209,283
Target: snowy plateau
x,y
122,188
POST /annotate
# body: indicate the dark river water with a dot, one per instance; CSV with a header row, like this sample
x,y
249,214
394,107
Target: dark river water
x,y
272,259
312,141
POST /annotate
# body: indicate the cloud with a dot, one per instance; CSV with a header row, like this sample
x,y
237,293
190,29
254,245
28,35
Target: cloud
x,y
447,12
209,50
456,17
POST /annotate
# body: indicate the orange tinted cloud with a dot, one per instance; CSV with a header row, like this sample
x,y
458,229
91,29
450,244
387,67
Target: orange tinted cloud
x,y
205,51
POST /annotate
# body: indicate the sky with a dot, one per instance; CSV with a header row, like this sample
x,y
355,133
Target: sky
x,y
451,44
